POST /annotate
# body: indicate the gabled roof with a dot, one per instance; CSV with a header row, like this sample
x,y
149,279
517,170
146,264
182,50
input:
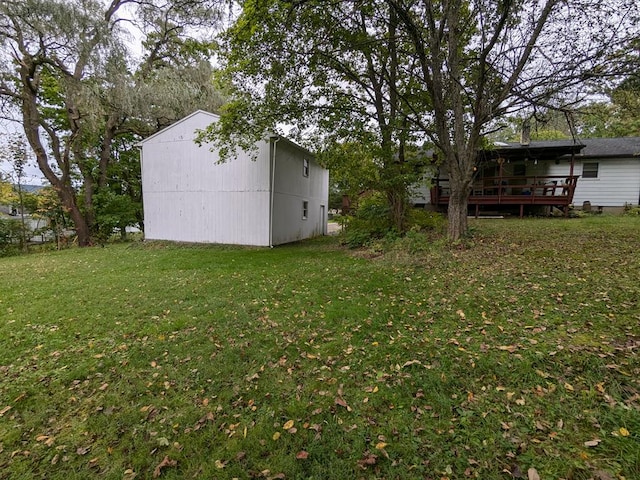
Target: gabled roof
x,y
623,147
601,148
546,150
274,136
213,116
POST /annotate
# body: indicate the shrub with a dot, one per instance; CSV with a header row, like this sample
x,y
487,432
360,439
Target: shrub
x,y
424,220
631,210
10,232
370,221
371,224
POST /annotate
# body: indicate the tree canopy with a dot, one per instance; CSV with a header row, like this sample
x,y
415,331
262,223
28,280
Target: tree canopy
x,y
391,73
65,72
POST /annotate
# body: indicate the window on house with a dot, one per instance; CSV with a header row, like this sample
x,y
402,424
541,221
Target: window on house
x,y
305,210
590,170
305,167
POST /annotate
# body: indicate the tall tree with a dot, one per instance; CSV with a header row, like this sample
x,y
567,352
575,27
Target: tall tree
x,y
482,59
64,67
336,71
402,70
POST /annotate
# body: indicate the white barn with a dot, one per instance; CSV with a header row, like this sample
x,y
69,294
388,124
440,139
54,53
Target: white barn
x,y
188,196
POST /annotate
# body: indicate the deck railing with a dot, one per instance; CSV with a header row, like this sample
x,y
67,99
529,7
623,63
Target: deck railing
x,y
554,190
547,189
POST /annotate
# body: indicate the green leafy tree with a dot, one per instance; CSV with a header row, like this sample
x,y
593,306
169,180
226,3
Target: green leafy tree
x,y
336,71
64,67
405,71
619,117
482,60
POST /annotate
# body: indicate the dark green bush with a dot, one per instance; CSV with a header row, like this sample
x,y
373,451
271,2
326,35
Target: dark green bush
x,y
10,231
370,221
424,220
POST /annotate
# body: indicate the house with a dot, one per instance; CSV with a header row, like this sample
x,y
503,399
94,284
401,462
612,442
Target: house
x,y
604,172
609,170
278,197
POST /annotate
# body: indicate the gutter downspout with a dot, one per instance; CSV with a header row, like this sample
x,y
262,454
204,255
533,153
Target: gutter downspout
x,y
273,182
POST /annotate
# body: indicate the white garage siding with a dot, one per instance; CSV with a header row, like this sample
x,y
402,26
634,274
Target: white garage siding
x,y
189,197
292,188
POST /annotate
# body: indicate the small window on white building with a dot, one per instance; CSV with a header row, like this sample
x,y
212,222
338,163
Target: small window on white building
x,y
305,210
305,167
590,170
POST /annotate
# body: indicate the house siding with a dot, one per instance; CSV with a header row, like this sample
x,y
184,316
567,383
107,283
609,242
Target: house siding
x,y
190,197
291,189
618,182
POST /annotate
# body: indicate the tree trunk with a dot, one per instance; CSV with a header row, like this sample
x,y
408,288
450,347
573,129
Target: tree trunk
x,y
398,206
63,187
457,214
461,173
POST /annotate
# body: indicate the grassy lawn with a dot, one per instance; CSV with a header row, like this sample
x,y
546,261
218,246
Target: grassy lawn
x,y
519,351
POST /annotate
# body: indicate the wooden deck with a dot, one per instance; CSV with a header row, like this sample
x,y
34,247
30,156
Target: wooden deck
x,y
549,190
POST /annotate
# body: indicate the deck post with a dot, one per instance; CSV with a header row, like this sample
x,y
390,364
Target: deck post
x,y
573,159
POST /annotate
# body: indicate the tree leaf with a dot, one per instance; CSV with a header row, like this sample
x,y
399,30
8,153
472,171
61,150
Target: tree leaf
x,y
166,462
288,425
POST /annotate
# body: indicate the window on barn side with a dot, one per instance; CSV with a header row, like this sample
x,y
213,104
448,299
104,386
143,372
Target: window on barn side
x,y
590,170
305,167
305,210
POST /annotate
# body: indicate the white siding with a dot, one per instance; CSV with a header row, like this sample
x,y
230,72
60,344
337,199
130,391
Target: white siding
x,y
618,182
291,189
189,197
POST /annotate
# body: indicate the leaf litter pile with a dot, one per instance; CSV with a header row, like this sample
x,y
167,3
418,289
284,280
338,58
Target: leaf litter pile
x,y
514,355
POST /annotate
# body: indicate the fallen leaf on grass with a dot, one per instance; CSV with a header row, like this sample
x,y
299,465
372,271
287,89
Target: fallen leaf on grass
x,y
515,471
83,450
532,474
342,403
166,462
367,460
411,362
592,443
380,445
302,455
508,348
288,425
603,475
624,432
5,410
